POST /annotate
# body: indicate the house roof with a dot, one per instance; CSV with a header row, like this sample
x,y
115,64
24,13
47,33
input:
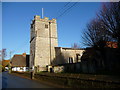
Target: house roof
x,y
20,60
5,62
112,44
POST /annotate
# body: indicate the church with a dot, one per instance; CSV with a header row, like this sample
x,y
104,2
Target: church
x,y
44,50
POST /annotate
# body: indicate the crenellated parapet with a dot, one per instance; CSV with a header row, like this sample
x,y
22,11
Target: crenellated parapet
x,y
45,19
43,40
36,17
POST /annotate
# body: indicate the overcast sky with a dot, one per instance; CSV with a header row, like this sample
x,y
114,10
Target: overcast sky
x,y
16,19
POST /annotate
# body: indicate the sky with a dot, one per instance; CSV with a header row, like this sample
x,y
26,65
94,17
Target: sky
x,y
17,16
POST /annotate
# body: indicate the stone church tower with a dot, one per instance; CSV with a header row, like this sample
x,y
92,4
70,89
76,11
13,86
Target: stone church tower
x,y
43,42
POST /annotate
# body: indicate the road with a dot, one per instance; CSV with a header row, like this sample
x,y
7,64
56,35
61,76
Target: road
x,y
12,81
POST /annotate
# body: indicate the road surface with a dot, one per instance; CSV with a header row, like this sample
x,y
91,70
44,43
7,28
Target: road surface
x,y
12,81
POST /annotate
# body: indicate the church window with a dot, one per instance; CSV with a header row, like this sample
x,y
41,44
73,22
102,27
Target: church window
x,y
46,26
70,60
78,57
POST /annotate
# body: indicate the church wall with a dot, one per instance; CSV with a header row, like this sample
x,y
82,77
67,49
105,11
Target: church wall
x,y
63,55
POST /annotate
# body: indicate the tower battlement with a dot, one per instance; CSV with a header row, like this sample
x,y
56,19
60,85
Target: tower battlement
x,y
45,19
43,40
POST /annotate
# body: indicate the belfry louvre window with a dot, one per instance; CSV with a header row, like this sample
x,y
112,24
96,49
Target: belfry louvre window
x,y
46,26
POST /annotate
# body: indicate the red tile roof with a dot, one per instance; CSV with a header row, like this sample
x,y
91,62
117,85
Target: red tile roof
x,y
112,44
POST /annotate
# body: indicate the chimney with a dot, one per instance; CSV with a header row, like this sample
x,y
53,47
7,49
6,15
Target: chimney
x,y
24,54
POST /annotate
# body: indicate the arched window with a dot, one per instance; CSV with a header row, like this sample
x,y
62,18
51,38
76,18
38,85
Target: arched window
x,y
78,58
70,60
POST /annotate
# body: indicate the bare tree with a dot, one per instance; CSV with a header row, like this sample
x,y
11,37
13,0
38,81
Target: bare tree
x,y
95,34
105,27
75,45
110,17
4,54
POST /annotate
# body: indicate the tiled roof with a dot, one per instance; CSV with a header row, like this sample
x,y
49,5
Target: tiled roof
x,y
5,62
112,44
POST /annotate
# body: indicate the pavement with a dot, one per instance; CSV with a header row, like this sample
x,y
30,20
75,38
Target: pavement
x,y
13,81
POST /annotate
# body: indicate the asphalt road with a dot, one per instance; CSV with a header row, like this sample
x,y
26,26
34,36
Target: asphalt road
x,y
12,81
